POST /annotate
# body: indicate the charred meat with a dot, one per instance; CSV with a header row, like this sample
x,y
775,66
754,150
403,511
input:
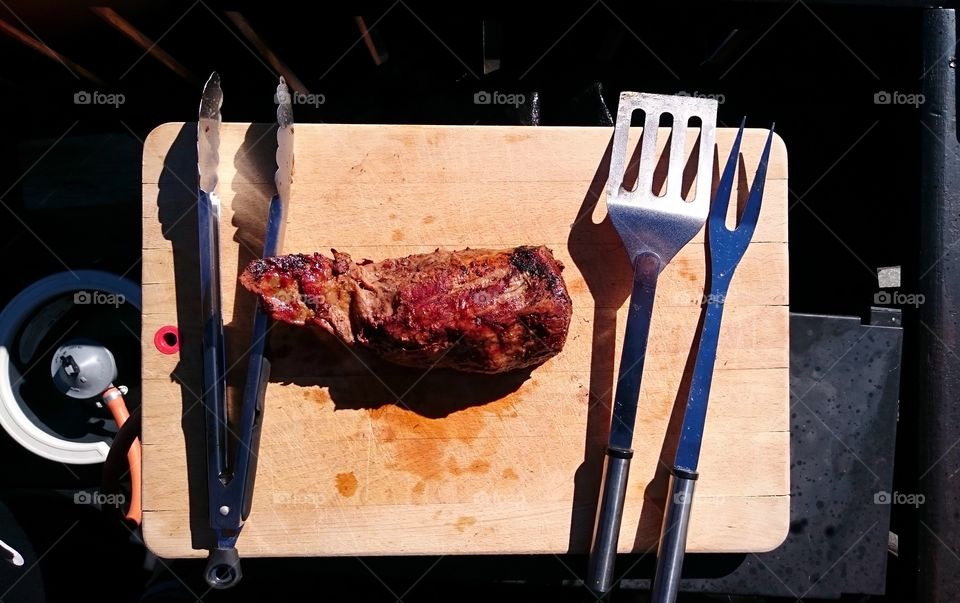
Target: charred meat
x,y
476,310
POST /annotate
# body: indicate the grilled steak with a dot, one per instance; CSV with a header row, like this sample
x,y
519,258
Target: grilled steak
x,y
475,310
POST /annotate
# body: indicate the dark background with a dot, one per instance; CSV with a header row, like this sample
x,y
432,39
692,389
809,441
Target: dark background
x,y
813,68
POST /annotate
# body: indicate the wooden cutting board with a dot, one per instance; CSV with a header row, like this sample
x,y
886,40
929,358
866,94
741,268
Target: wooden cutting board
x,y
466,464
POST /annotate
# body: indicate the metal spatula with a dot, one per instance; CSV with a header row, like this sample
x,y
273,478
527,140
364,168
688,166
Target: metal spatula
x,y
653,229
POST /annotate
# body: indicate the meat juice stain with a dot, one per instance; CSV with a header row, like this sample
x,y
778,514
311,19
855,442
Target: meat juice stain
x,y
429,220
346,484
464,522
425,447
510,474
477,466
419,441
577,285
516,137
397,235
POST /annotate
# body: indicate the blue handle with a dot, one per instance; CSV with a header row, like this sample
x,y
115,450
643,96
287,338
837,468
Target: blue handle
x,y
695,416
646,269
258,373
214,392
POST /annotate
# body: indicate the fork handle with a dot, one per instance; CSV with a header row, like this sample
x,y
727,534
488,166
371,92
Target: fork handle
x,y
673,537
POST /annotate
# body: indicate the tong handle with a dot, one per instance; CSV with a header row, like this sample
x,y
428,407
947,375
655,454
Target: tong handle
x,y
213,382
258,371
223,568
251,413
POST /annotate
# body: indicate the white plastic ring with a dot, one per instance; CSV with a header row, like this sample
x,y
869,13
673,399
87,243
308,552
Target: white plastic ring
x,y
12,418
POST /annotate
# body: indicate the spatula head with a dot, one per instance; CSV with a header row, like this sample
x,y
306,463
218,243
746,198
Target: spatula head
x,y
645,221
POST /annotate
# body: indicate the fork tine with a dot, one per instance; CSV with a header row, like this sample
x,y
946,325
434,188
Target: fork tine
x,y
752,213
721,199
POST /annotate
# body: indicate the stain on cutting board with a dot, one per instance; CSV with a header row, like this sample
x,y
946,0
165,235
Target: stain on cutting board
x,y
464,522
346,484
437,453
477,466
423,447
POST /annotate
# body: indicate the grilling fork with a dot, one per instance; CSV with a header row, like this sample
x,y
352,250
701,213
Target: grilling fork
x,y
726,249
653,229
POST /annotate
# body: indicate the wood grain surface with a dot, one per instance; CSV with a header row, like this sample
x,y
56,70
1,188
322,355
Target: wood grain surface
x,y
360,457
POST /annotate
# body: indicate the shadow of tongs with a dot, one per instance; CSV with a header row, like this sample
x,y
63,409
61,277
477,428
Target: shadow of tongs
x,y
232,462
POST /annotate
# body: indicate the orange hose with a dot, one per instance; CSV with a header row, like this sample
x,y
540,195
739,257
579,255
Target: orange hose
x,y
118,408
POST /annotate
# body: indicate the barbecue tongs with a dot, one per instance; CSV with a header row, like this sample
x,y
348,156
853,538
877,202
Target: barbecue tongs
x,y
232,462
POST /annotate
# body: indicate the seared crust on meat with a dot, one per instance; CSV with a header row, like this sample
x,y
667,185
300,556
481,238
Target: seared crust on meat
x,y
476,310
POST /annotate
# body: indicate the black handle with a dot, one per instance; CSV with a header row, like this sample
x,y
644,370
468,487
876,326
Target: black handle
x,y
223,568
673,538
607,533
